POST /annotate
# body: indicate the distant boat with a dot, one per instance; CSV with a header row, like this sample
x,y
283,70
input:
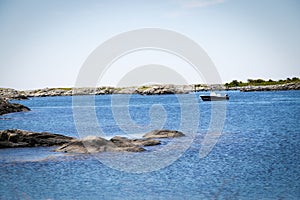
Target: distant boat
x,y
214,97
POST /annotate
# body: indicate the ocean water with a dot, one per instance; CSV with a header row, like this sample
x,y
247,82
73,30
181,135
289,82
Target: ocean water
x,y
256,157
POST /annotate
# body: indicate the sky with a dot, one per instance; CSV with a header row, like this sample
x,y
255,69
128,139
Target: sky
x,y
45,43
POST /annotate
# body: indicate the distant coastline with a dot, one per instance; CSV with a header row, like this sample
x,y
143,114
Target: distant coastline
x,y
251,85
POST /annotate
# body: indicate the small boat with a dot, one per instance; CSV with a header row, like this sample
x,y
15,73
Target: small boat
x,y
214,97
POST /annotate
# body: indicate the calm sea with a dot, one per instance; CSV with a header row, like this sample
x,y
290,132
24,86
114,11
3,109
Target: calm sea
x,y
256,157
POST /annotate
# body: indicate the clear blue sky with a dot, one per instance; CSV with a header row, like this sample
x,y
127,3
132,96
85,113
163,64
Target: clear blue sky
x,y
44,43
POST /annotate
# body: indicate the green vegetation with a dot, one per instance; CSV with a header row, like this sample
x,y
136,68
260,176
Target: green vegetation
x,y
118,89
260,82
66,89
144,88
52,89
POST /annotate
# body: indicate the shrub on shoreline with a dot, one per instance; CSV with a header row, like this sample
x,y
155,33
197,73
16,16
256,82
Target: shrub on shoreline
x,y
261,82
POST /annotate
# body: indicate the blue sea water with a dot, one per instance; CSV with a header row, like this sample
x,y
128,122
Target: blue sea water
x,y
256,157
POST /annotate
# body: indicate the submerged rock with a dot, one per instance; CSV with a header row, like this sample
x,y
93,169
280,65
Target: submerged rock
x,y
163,134
18,138
7,107
93,144
90,144
125,142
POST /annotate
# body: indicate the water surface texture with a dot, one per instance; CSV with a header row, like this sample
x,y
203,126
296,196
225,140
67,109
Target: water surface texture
x,y
256,157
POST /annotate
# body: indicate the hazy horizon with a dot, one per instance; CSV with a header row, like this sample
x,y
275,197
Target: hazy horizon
x,y
137,85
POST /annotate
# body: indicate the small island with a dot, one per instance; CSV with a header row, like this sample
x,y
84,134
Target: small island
x,y
263,85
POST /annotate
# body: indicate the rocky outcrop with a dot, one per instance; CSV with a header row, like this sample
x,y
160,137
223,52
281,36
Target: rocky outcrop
x,y
125,142
8,93
49,92
93,144
90,144
7,107
160,89
13,138
18,138
163,134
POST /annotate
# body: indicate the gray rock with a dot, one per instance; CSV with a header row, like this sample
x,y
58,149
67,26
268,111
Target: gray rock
x,y
90,144
7,107
163,134
13,138
93,144
126,90
125,142
8,93
161,89
19,138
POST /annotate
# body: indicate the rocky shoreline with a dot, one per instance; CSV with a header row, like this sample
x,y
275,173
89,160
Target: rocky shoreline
x,y
14,138
142,90
7,107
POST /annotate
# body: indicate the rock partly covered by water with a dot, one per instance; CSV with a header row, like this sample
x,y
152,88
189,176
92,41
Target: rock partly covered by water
x,y
93,144
90,144
7,107
19,138
125,142
13,138
163,134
